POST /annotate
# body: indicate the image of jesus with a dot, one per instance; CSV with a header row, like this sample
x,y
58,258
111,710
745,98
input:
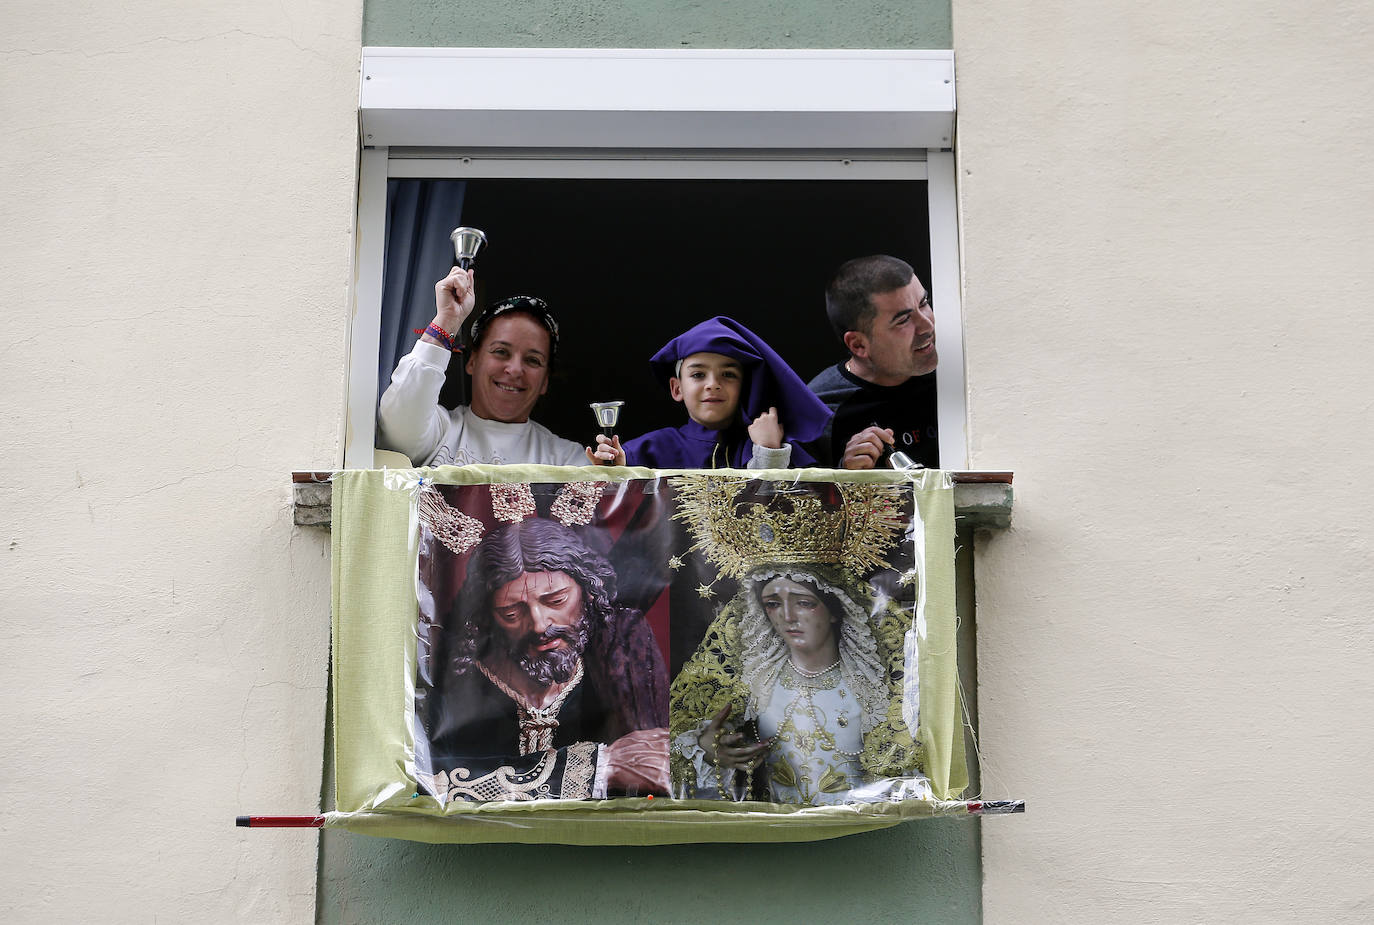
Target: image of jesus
x,y
547,688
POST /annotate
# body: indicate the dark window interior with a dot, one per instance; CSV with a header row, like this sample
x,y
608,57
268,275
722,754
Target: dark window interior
x,y
627,265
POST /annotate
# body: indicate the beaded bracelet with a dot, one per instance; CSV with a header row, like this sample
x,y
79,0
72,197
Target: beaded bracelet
x,y
444,338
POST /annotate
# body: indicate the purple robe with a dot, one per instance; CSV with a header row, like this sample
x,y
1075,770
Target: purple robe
x,y
768,382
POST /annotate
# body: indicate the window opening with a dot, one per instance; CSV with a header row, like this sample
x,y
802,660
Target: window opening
x,y
629,264
734,200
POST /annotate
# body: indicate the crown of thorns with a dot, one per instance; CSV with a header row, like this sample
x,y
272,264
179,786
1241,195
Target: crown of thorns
x,y
511,502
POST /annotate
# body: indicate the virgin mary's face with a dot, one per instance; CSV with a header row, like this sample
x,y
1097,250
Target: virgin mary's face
x,y
800,618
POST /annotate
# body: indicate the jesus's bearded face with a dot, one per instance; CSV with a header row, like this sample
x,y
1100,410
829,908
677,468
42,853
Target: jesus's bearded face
x,y
541,625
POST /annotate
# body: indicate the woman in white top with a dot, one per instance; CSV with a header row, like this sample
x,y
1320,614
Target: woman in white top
x,y
513,345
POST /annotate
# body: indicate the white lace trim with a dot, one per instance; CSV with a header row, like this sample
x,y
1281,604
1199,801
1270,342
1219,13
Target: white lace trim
x,y
601,785
764,653
688,745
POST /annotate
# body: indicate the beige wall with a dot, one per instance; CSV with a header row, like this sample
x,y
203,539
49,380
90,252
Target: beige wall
x,y
1167,213
175,233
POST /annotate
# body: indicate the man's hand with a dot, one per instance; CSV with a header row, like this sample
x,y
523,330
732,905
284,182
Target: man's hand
x,y
453,299
767,430
607,452
864,448
638,762
734,751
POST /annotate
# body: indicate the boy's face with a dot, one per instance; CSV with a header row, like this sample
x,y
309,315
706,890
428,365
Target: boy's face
x,y
709,385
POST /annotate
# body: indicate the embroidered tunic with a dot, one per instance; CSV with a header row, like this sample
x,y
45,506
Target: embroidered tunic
x,y
816,727
828,747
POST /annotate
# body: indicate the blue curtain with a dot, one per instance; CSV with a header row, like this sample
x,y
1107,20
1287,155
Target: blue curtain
x,y
419,216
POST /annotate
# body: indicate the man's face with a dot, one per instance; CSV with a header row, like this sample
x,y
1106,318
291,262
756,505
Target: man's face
x,y
800,618
709,385
900,341
540,621
510,370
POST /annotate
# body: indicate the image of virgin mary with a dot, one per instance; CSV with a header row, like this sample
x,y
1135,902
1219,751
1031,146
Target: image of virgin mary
x,y
795,696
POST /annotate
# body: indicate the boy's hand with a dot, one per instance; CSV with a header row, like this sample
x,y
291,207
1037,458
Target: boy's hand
x,y
607,452
767,430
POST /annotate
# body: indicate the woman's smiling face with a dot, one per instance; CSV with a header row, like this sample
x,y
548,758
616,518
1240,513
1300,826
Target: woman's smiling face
x,y
510,369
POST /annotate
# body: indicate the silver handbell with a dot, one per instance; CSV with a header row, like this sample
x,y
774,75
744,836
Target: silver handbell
x,y
607,415
903,462
466,243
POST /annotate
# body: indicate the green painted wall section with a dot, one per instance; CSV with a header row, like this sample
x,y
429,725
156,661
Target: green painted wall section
x,y
659,23
908,874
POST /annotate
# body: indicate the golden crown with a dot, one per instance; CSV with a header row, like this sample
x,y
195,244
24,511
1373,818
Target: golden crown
x,y
740,528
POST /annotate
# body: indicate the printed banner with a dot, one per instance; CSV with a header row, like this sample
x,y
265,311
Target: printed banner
x,y
557,638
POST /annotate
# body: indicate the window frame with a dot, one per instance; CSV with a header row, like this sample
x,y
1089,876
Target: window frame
x,y
407,112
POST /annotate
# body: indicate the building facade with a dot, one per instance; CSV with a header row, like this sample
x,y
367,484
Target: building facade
x,y
1163,231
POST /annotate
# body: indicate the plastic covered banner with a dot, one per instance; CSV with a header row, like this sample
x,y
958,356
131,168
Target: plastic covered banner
x,y
626,656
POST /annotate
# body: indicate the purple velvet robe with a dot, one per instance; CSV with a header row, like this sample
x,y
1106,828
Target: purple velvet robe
x,y
768,382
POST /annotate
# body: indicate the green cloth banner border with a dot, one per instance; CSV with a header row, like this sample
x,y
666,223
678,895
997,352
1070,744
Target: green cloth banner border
x,y
374,614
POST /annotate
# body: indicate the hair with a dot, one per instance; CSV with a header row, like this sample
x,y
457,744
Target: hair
x,y
536,309
677,366
534,545
847,298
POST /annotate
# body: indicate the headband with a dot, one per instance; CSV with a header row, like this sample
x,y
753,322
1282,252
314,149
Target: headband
x,y
517,303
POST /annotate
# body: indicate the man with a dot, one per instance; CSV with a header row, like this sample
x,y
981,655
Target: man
x,y
513,346
883,396
542,687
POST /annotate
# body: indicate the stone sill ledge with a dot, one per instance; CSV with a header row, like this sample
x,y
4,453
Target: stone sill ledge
x,y
982,500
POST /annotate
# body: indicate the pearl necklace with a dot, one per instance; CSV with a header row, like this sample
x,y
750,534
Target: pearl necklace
x,y
814,674
818,736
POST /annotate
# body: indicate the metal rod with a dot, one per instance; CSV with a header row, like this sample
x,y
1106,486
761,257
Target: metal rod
x,y
279,822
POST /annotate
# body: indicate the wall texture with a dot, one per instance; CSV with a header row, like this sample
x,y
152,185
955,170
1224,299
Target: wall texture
x,y
1166,246
1167,242
175,234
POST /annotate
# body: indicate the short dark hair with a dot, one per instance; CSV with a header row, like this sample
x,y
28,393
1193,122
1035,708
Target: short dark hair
x,y
847,303
533,545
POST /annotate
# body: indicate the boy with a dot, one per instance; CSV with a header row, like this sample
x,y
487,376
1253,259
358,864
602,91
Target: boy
x,y
746,407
